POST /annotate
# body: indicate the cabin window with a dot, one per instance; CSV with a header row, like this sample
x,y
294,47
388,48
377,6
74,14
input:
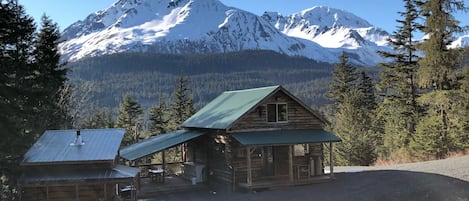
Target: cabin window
x,y
300,149
277,112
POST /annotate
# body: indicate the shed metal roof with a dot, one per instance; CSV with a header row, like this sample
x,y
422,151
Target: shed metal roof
x,y
280,137
158,143
228,107
54,146
56,175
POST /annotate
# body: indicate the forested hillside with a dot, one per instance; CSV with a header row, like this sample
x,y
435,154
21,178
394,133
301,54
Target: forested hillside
x,y
148,75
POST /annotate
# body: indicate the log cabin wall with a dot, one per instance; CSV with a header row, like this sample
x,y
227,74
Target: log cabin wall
x,y
219,161
68,192
298,116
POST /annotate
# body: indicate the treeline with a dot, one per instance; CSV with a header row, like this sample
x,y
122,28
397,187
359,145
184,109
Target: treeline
x,y
147,75
420,108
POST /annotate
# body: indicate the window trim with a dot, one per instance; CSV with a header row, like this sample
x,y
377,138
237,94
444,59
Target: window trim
x,y
276,112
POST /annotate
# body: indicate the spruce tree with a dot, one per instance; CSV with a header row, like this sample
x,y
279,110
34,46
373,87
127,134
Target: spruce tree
x,y
438,131
24,103
354,107
129,117
17,103
343,77
438,67
50,76
353,126
158,118
183,106
399,110
366,87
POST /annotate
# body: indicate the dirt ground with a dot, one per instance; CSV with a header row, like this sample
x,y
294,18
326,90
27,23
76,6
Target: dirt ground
x,y
443,180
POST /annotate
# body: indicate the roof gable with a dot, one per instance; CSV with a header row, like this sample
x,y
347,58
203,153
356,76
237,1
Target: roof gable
x,y
54,146
228,107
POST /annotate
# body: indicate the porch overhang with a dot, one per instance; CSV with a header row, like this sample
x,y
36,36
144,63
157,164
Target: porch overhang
x,y
285,137
158,143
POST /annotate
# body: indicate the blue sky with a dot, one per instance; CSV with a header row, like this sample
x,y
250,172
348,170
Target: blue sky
x,y
381,13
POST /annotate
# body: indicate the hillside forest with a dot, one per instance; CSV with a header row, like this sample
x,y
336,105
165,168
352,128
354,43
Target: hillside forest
x,y
414,107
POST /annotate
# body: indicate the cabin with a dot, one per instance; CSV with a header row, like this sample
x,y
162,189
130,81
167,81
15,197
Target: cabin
x,y
76,165
249,139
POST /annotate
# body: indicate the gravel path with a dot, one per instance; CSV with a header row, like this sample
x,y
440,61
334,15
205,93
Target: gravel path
x,y
453,167
442,180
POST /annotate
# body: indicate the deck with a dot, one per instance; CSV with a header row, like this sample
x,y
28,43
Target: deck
x,y
171,184
272,183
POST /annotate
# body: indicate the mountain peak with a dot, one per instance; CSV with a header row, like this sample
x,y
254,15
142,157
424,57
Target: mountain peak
x,y
209,26
324,15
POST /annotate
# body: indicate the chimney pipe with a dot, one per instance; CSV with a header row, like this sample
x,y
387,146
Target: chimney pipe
x,y
78,140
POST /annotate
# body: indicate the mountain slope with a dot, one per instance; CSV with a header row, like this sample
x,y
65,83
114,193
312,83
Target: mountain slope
x,y
185,26
333,28
208,26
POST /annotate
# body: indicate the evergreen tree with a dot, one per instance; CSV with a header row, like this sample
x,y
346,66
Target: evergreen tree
x,y
399,110
183,104
158,118
437,132
100,118
50,76
24,91
16,101
343,77
353,121
353,126
129,117
366,87
438,67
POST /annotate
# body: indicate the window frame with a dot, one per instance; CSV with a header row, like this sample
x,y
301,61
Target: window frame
x,y
276,112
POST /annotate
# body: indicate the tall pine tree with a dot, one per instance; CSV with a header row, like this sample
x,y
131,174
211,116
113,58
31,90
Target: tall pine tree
x,y
182,106
50,76
129,117
354,108
438,130
343,77
23,101
399,110
158,118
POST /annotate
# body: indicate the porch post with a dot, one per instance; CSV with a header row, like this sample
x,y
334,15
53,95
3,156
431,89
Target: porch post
x,y
164,163
248,162
331,160
290,162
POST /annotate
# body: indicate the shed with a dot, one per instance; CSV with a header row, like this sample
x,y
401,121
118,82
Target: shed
x,y
75,165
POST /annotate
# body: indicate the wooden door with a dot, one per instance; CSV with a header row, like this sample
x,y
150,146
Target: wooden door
x,y
280,154
268,167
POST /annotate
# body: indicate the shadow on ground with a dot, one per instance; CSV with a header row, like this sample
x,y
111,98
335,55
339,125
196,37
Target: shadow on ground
x,y
382,185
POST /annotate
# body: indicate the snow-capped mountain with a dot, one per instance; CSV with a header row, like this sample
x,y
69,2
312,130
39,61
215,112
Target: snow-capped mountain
x,y
208,26
333,28
462,41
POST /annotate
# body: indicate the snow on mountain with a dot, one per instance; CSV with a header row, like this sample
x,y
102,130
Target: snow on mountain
x,y
208,26
333,28
462,41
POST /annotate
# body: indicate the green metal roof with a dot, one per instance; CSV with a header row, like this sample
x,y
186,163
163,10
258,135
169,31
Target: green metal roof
x,y
54,146
158,143
277,137
228,107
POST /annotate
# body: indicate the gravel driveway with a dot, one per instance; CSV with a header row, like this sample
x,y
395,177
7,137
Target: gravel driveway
x,y
442,180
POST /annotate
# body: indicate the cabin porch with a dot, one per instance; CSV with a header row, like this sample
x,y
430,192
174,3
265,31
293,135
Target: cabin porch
x,y
172,183
282,181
